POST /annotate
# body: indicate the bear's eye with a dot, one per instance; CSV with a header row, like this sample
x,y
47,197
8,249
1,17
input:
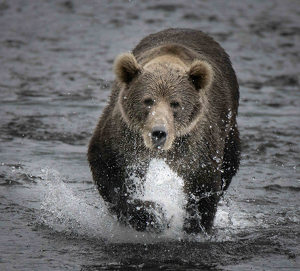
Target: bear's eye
x,y
148,102
174,105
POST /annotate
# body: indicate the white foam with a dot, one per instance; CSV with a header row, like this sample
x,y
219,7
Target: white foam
x,y
166,188
66,210
85,214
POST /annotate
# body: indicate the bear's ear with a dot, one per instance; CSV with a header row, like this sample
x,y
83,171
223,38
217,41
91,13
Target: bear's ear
x,y
201,74
126,67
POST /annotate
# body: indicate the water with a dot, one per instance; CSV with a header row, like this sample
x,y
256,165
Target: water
x,y
56,71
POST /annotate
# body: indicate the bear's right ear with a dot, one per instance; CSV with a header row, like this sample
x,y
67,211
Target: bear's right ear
x,y
126,67
201,74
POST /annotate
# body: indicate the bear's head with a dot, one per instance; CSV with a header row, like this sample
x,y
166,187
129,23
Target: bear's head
x,y
163,99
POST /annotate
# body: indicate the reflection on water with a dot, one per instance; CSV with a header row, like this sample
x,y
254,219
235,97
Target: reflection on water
x,y
56,62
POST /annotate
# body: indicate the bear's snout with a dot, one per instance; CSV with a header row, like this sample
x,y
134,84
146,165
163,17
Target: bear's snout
x,y
159,136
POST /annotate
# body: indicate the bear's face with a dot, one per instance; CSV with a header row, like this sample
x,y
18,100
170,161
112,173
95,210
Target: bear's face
x,y
162,100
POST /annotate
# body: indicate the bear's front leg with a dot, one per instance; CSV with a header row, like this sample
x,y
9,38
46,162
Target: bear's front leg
x,y
201,211
140,215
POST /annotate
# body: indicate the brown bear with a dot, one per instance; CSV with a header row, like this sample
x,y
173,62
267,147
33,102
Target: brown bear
x,y
175,98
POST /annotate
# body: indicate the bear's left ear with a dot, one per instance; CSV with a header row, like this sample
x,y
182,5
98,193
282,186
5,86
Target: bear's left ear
x,y
126,67
201,74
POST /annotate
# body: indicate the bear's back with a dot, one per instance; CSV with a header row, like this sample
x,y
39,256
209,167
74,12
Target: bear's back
x,y
194,40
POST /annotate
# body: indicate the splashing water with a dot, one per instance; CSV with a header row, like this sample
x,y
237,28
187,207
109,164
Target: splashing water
x,y
86,214
68,211
165,188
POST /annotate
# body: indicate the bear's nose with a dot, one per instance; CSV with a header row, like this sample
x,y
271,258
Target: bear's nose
x,y
159,136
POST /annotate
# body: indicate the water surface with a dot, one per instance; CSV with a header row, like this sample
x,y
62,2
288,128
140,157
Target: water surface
x,y
56,71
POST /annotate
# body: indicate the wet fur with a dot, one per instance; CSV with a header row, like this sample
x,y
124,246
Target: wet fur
x,y
203,147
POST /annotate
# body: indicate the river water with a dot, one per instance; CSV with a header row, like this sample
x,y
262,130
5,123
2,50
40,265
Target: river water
x,y
55,74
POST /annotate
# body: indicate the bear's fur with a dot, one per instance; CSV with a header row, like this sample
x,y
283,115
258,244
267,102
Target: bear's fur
x,y
174,98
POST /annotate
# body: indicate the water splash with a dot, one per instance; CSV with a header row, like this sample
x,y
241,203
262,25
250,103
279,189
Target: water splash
x,y
165,188
67,211
80,214
64,211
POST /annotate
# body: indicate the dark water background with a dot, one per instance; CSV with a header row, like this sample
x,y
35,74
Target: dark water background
x,y
55,74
